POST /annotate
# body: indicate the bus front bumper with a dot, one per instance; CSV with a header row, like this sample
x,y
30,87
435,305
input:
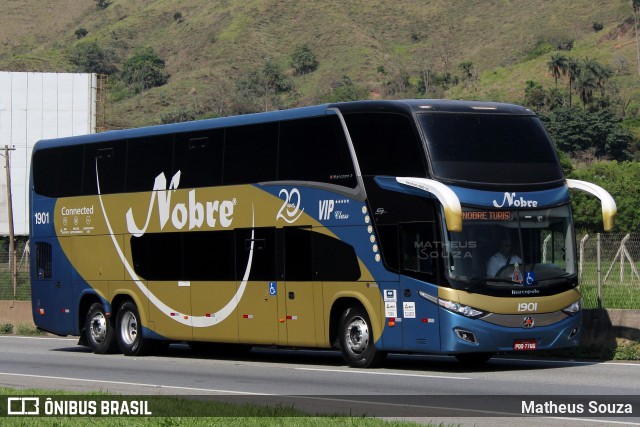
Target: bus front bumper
x,y
460,334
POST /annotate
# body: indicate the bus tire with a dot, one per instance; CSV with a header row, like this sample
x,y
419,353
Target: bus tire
x,y
129,331
98,330
473,358
356,340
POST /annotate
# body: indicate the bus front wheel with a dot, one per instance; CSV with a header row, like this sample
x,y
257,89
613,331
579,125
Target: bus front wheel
x,y
98,330
129,331
356,340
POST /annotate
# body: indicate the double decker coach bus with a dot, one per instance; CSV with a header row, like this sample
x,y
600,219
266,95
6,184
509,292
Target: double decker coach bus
x,y
370,226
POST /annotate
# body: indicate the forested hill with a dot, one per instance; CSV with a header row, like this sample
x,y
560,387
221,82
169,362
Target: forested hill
x,y
572,61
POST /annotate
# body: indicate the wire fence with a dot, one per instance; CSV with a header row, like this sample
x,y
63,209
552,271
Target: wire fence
x,y
614,282
23,285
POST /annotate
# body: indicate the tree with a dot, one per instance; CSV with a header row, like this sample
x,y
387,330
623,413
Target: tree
x,y
261,89
346,90
303,60
620,180
585,85
80,33
467,70
102,4
89,57
600,72
558,65
144,70
576,131
573,70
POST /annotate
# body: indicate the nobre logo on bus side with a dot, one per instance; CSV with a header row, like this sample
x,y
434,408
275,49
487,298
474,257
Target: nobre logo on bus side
x,y
194,213
511,200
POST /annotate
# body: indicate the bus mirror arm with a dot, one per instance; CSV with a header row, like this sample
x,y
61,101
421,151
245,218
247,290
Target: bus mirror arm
x,y
609,208
449,200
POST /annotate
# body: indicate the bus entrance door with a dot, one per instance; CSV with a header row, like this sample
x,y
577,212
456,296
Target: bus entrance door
x,y
300,312
256,271
301,293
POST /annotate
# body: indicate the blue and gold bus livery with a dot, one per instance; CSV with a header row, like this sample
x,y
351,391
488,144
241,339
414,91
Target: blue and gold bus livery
x,y
366,226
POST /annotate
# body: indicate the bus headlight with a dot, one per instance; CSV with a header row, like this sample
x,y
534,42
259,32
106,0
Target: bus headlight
x,y
573,308
457,308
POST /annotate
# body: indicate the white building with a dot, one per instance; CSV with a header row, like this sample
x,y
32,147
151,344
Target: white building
x,y
35,106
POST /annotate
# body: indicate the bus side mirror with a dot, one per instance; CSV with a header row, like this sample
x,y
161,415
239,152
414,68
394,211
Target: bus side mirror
x,y
449,200
609,208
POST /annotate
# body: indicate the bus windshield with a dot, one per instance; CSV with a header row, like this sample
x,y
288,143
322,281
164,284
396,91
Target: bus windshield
x,y
489,148
514,247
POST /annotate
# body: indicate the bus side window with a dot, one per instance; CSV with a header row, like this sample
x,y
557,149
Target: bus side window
x,y
146,159
263,261
297,255
104,162
321,139
58,171
388,241
208,255
334,260
418,249
386,144
198,156
250,154
44,261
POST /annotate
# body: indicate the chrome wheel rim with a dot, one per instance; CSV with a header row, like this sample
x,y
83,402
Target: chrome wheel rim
x,y
357,335
129,328
98,327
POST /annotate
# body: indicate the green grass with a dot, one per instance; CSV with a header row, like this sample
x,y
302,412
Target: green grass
x,y
192,413
27,330
353,39
623,294
6,329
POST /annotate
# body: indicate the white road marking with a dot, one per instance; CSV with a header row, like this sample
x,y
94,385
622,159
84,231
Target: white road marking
x,y
156,386
361,372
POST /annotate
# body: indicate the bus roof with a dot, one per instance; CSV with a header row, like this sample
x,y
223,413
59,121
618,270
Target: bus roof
x,y
398,106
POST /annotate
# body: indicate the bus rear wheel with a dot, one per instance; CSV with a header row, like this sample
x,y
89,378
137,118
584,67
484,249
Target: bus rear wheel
x,y
98,330
356,340
129,331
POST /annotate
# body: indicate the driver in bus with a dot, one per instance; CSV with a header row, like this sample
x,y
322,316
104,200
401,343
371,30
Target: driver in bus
x,y
502,258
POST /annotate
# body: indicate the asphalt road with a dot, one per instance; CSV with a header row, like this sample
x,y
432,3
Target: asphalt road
x,y
419,388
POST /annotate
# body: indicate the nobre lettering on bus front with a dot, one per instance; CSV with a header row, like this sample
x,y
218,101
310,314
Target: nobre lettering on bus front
x,y
511,200
195,213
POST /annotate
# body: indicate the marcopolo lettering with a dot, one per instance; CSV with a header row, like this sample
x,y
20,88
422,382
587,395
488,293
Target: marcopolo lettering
x,y
510,199
194,213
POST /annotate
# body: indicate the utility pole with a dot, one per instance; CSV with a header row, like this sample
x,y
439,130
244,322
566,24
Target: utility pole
x,y
12,244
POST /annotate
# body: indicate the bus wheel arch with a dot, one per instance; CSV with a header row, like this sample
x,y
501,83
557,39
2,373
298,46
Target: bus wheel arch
x,y
353,332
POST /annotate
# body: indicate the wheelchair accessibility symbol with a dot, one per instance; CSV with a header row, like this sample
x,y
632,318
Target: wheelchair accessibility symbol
x,y
531,278
273,289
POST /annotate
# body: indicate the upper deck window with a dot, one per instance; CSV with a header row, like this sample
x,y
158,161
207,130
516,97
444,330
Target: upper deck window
x,y
490,148
386,144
